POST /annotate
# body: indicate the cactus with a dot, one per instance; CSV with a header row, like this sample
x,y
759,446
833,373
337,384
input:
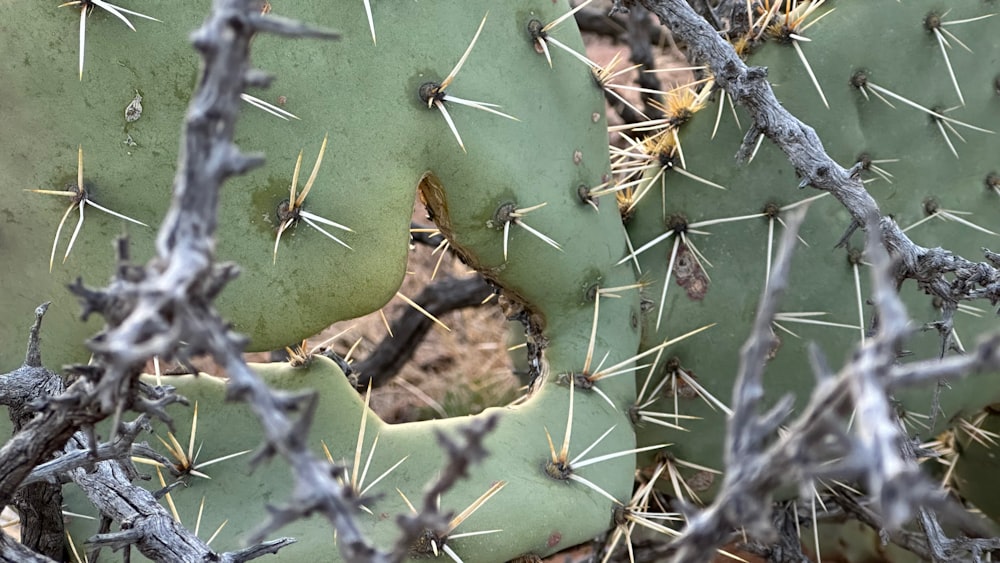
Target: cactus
x,y
129,166
513,180
405,455
971,453
396,115
904,154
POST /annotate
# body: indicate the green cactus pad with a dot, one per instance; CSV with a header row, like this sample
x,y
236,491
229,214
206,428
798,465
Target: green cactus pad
x,y
384,142
869,37
518,451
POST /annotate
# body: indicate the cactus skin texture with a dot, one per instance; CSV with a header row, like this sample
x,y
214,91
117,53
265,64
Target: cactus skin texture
x,y
865,36
383,142
856,542
55,112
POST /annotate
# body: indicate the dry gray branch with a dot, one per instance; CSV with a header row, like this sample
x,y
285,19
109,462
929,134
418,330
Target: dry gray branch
x,y
37,504
411,326
459,454
144,522
150,310
44,409
752,471
748,87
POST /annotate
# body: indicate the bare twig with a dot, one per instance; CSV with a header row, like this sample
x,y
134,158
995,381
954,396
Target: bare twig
x,y
11,551
749,88
38,396
818,443
150,310
37,437
910,541
598,22
120,448
460,455
38,505
409,329
641,53
744,498
144,521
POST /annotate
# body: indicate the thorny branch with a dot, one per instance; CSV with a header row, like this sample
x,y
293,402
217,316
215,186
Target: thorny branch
x,y
51,414
931,545
460,454
597,21
144,521
150,310
745,495
877,452
819,444
173,295
748,86
641,53
409,329
614,26
37,504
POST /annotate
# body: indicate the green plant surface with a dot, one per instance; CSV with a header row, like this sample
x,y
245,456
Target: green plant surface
x,y
551,262
976,465
518,450
382,140
856,542
506,196
129,167
868,36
